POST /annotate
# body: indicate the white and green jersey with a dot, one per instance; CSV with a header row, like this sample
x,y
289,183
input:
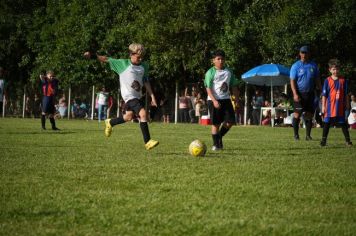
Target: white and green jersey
x,y
132,77
220,81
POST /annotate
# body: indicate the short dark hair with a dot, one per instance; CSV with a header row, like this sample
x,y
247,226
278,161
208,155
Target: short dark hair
x,y
334,63
218,53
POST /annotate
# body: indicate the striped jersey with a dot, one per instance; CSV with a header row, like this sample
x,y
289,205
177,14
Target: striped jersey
x,y
49,88
335,92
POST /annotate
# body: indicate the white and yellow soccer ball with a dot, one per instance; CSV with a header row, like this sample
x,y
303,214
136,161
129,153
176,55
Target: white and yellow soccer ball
x,y
197,148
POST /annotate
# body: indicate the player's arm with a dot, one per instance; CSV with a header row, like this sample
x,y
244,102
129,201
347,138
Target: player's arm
x,y
92,55
293,86
43,77
213,99
293,75
208,82
323,105
150,93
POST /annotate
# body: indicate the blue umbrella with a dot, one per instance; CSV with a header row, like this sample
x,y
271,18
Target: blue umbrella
x,y
267,74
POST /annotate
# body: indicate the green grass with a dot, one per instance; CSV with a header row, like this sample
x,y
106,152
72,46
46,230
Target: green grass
x,y
77,182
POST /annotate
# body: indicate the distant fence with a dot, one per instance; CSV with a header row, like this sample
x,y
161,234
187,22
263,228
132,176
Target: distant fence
x,y
28,104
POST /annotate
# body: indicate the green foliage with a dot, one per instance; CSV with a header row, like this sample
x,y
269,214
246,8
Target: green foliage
x,y
179,35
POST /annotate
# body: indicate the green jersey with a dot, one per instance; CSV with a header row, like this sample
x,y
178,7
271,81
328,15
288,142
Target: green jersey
x,y
220,81
132,77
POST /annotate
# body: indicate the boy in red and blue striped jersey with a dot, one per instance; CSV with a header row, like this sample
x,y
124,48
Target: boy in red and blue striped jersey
x,y
49,85
335,102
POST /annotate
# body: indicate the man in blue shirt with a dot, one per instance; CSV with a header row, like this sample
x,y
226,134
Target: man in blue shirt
x,y
304,78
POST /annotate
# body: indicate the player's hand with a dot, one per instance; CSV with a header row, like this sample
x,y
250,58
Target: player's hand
x,y
87,55
296,98
216,104
322,110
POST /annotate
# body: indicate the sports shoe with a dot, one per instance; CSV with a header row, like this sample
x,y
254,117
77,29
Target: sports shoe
x,y
151,144
308,138
296,137
108,128
55,128
322,143
349,143
216,148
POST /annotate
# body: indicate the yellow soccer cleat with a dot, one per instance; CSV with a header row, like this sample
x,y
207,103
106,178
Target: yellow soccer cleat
x,y
108,128
151,144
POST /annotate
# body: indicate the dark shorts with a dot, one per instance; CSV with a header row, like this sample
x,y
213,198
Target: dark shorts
x,y
335,120
306,103
224,114
134,105
48,105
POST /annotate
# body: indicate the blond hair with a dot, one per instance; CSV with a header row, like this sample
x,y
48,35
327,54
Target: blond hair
x,y
136,48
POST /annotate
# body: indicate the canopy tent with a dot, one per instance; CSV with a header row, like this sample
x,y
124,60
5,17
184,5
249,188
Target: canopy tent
x,y
268,75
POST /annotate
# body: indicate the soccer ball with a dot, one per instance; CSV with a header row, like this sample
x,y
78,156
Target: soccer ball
x,y
197,148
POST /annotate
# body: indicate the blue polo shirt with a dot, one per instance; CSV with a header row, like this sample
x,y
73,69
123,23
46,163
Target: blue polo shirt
x,y
305,74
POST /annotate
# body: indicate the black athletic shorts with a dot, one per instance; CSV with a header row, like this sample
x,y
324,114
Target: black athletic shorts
x,y
306,103
134,105
224,114
48,105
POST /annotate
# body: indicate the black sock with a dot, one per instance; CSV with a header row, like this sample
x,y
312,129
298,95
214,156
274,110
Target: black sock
x,y
308,126
216,139
117,121
145,131
296,126
53,123
223,131
325,131
345,131
43,121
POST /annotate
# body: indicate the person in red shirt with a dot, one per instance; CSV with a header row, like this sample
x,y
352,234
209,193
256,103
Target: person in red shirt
x,y
335,102
49,91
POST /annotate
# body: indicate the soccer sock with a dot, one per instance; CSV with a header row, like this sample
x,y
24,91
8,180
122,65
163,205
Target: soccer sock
x,y
223,131
216,139
53,123
117,121
308,126
296,126
145,131
43,121
346,132
325,131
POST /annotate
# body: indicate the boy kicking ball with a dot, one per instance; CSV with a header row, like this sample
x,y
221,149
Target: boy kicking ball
x,y
335,102
133,76
218,82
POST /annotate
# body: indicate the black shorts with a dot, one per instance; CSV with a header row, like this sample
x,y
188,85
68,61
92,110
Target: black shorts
x,y
48,105
306,103
134,105
224,114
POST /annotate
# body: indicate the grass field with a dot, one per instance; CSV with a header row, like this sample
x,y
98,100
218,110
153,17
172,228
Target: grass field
x,y
77,182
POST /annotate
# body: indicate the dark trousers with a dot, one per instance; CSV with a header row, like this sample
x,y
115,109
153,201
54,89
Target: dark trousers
x,y
183,115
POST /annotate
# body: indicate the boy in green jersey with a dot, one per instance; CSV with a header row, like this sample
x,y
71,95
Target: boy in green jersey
x,y
218,82
133,76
